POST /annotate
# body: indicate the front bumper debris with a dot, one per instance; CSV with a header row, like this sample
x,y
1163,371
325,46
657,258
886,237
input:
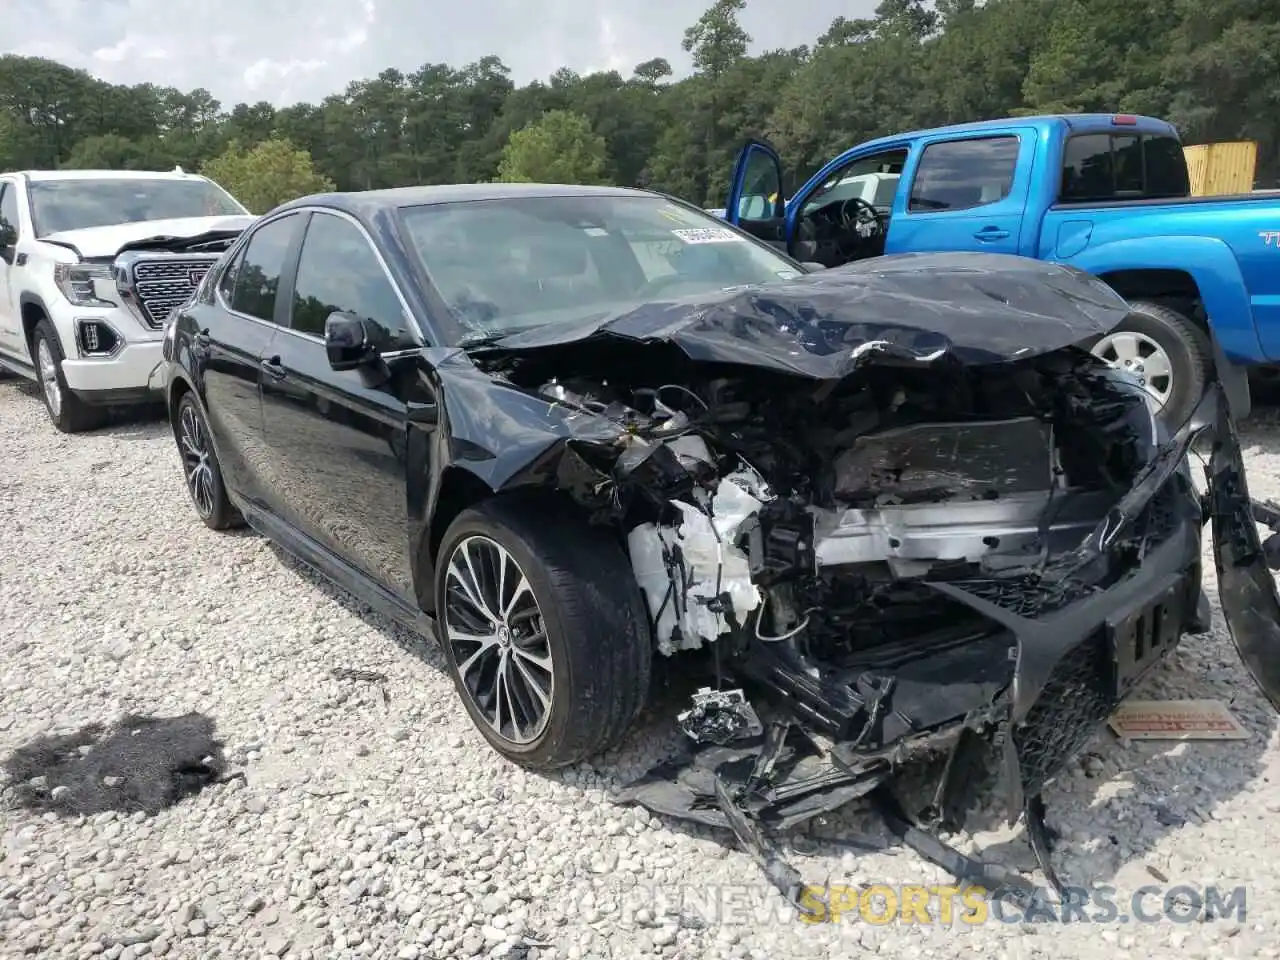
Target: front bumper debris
x,y
1077,649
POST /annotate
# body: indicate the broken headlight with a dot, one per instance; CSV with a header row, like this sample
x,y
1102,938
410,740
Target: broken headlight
x,y
1145,418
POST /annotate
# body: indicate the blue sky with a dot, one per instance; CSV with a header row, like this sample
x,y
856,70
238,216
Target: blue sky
x,y
289,50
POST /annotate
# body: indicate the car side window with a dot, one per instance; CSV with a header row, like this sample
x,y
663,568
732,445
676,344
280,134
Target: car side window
x,y
962,174
8,212
258,271
227,282
340,272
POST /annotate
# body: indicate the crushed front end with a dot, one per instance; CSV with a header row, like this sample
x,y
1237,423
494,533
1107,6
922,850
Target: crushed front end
x,y
933,561
894,546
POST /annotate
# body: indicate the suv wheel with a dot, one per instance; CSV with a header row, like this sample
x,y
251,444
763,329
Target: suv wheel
x,y
68,412
200,467
544,630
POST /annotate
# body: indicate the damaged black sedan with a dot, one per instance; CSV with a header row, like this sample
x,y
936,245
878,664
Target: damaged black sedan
x,y
573,429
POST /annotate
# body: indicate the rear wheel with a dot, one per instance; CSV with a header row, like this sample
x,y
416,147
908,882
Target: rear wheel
x,y
544,630
68,412
200,467
1168,352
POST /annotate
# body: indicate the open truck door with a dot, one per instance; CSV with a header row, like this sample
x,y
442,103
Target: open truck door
x,y
756,201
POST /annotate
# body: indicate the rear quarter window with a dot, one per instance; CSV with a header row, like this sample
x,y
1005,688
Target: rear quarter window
x,y
1102,167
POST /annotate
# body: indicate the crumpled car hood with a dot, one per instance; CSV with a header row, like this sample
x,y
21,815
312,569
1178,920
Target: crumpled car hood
x,y
973,308
109,240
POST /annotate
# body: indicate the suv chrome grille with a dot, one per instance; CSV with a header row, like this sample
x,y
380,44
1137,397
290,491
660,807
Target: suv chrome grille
x,y
153,284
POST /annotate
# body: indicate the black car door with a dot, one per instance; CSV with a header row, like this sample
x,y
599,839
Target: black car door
x,y
337,439
234,330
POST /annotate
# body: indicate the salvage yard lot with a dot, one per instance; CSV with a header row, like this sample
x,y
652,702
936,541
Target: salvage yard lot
x,y
375,821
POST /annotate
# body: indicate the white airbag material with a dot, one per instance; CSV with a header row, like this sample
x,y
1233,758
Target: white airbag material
x,y
682,567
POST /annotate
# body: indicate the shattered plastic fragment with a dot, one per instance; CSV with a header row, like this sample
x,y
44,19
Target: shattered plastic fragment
x,y
720,716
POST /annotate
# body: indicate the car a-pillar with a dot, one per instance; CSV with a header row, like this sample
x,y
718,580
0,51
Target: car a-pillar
x,y
1165,341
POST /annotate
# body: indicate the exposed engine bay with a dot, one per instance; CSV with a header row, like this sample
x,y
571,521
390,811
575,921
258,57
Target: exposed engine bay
x,y
839,544
962,538
805,514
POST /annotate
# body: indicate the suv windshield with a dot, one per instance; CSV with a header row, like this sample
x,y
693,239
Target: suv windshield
x,y
512,264
75,204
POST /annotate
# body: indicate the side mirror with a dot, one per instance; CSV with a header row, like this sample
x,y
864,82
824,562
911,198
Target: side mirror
x,y
350,341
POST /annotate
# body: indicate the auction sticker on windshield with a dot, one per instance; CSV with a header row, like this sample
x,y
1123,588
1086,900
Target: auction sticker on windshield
x,y
708,235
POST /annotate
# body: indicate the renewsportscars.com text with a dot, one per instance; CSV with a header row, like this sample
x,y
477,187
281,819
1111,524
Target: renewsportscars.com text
x,y
975,905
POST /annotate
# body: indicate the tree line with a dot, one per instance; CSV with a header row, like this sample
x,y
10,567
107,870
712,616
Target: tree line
x,y
1213,68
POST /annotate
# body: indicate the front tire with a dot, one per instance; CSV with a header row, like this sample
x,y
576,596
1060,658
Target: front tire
x,y
544,630
68,412
1168,351
200,467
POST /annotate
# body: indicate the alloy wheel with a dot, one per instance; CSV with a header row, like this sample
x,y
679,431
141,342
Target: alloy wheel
x,y
194,445
49,377
1141,356
498,640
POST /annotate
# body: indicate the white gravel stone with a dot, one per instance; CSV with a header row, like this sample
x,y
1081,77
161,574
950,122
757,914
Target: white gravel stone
x,y
393,830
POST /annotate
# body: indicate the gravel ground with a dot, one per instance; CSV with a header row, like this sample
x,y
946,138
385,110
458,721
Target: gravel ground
x,y
385,827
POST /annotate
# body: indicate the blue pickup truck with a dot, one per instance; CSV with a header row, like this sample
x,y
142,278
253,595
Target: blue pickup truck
x,y
1107,194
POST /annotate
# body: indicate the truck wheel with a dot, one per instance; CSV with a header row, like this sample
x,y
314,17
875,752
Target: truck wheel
x,y
68,412
544,630
1169,353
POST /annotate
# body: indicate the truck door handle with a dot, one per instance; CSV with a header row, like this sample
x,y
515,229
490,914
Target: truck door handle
x,y
991,233
274,368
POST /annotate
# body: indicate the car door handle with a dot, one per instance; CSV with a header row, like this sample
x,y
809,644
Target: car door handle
x,y
200,341
991,233
274,368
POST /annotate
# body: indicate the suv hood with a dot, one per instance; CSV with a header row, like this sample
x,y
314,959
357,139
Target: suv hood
x,y
974,308
107,241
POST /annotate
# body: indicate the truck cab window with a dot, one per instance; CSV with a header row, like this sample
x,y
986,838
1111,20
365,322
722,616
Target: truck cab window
x,y
8,213
1102,167
962,174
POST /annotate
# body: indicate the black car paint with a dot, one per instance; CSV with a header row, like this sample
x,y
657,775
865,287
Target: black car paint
x,y
429,431
352,499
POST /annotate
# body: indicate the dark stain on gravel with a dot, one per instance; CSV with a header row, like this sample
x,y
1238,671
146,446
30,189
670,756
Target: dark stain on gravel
x,y
139,764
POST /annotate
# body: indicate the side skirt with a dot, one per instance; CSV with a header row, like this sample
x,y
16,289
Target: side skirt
x,y
335,569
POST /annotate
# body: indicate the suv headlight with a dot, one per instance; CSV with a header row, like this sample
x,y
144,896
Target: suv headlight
x,y
78,283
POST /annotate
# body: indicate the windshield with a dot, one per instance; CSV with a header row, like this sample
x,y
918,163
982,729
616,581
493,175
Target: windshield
x,y
58,205
512,264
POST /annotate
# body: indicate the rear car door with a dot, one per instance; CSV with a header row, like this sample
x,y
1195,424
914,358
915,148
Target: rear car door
x,y
234,333
965,193
337,439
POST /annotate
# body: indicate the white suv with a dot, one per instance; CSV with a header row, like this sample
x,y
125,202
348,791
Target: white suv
x,y
91,264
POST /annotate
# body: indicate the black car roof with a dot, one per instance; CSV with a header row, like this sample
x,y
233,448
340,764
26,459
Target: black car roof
x,y
370,201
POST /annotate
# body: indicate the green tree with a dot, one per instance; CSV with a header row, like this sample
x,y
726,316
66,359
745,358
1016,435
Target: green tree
x,y
266,175
1211,66
111,151
560,147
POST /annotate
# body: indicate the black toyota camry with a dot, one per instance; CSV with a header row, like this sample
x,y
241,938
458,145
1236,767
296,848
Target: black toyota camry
x,y
890,509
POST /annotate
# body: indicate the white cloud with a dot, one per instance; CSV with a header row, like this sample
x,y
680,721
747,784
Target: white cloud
x,y
283,51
